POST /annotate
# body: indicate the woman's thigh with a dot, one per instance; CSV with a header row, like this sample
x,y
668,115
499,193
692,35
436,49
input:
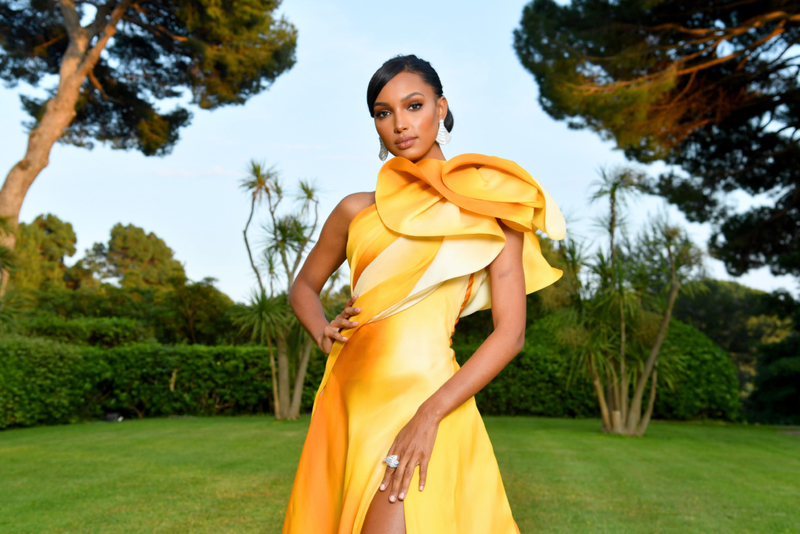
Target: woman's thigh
x,y
384,517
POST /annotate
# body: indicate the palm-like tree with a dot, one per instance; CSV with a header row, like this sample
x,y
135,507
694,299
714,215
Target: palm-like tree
x,y
618,185
620,309
258,183
287,240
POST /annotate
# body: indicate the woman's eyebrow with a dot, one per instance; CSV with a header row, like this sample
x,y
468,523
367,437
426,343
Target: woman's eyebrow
x,y
409,96
376,104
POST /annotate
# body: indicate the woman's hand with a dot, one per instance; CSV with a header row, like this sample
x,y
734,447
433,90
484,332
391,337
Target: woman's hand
x,y
331,333
413,446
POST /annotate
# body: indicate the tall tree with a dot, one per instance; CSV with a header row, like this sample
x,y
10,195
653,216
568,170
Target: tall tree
x,y
42,247
134,258
268,316
708,87
116,59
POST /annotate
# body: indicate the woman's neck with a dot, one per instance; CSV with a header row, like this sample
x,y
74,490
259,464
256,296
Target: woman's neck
x,y
435,152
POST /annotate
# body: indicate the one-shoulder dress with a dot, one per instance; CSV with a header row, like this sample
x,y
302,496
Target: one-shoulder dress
x,y
418,260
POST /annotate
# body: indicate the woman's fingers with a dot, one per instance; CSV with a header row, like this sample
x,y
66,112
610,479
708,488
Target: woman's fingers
x,y
423,473
406,480
348,311
398,478
343,323
387,478
334,334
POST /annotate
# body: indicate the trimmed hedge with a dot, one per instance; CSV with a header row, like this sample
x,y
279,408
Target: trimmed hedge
x,y
47,382
44,382
534,382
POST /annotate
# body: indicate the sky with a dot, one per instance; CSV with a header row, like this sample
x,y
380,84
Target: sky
x,y
313,123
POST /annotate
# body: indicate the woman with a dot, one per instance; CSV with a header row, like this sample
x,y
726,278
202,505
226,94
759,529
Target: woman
x,y
437,240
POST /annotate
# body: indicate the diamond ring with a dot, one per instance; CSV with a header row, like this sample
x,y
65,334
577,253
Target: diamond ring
x,y
392,461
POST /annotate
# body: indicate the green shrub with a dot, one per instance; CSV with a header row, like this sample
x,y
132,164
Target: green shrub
x,y
100,331
534,382
776,398
154,380
45,382
706,387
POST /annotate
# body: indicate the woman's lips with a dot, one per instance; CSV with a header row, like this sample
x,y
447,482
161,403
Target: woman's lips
x,y
405,142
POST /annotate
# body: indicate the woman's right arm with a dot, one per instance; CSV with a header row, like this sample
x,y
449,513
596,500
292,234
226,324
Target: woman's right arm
x,y
325,257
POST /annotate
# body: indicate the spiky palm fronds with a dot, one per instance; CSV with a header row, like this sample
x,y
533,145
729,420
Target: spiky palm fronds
x,y
264,318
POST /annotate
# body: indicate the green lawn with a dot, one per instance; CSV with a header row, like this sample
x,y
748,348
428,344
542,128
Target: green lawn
x,y
234,474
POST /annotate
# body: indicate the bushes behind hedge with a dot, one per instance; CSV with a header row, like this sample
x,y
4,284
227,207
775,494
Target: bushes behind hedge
x,y
99,331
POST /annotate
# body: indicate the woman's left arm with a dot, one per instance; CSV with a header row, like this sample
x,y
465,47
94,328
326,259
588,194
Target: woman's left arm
x,y
414,443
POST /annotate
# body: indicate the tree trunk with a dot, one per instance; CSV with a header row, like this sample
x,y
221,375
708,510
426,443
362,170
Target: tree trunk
x,y
598,389
75,66
636,403
297,394
283,378
642,427
276,403
623,372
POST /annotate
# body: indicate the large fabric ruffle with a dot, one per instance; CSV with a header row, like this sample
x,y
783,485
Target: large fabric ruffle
x,y
460,201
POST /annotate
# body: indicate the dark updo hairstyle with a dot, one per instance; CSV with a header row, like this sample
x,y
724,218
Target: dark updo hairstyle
x,y
409,63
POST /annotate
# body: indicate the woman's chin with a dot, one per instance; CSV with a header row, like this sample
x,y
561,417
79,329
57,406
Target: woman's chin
x,y
413,155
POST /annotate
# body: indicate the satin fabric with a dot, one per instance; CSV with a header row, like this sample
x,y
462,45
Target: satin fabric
x,y
418,260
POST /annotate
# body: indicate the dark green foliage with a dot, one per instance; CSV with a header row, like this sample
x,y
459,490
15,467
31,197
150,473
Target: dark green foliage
x,y
155,380
46,382
535,382
134,258
706,386
186,312
219,53
776,398
41,249
95,331
708,87
739,319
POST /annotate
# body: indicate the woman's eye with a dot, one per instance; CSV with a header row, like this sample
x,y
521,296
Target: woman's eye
x,y
415,105
381,114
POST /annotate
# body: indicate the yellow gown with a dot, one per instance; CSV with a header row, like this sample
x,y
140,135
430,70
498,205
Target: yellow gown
x,y
418,259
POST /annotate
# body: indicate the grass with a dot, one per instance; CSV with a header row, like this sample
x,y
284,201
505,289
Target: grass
x,y
216,475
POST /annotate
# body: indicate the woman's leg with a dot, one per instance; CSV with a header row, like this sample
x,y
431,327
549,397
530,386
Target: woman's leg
x,y
384,517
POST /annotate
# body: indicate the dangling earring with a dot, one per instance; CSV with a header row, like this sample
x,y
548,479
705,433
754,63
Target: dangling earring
x,y
384,153
443,136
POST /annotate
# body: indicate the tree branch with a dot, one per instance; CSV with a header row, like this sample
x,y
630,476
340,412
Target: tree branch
x,y
90,59
158,31
99,20
72,22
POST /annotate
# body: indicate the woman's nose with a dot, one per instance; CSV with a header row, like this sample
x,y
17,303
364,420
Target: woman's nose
x,y
400,124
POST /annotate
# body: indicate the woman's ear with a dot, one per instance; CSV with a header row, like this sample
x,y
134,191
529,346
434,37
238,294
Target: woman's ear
x,y
442,108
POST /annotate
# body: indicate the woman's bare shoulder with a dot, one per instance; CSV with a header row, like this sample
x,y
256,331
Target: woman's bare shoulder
x,y
355,203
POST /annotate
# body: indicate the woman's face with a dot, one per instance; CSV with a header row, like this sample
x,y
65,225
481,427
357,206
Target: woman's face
x,y
407,114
